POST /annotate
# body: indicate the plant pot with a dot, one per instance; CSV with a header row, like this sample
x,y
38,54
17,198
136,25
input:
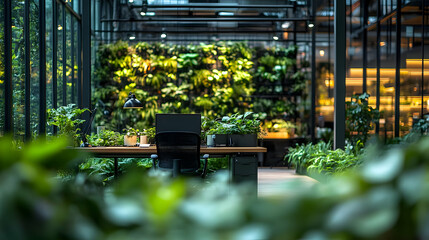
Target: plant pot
x,y
210,140
217,140
143,139
130,140
242,140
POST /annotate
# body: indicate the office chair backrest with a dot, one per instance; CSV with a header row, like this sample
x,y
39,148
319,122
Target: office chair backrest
x,y
178,145
173,122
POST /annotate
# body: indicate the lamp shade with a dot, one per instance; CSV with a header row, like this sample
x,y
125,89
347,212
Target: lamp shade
x,y
132,102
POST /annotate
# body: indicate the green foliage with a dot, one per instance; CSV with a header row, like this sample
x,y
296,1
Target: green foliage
x,y
212,79
419,129
66,118
360,118
237,124
215,164
103,168
150,133
131,131
301,156
106,138
384,199
320,158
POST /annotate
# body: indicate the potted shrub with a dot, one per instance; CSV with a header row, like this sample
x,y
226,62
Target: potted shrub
x,y
105,138
241,130
211,131
150,133
130,138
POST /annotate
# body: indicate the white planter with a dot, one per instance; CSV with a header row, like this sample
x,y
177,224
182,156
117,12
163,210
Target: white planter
x,y
210,140
143,139
130,140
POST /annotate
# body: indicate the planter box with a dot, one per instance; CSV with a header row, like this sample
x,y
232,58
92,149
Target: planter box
x,y
242,140
217,140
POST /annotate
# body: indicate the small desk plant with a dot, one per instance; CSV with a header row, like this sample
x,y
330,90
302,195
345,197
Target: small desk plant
x,y
105,138
242,130
130,138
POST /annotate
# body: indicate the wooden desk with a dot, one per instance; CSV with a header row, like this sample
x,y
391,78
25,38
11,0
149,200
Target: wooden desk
x,y
241,157
115,152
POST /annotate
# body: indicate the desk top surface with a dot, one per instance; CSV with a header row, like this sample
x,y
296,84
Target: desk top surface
x,y
152,149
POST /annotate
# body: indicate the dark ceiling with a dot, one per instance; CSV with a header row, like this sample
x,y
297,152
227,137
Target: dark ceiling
x,y
192,20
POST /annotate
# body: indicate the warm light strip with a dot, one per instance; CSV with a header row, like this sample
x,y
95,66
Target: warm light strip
x,y
357,82
417,63
387,72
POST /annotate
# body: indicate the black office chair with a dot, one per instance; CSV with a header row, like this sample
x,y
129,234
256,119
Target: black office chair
x,y
179,152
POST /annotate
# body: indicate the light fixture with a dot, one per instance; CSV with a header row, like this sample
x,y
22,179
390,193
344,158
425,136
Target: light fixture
x,y
60,27
382,44
132,102
130,1
226,14
322,53
132,37
275,38
286,25
163,35
143,13
310,25
327,82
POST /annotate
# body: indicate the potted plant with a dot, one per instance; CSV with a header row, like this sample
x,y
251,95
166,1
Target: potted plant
x,y
210,131
143,137
66,118
105,138
150,133
130,138
241,129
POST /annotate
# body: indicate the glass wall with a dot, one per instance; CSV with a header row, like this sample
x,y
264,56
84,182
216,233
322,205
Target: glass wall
x,y
18,69
384,52
34,68
59,55
2,79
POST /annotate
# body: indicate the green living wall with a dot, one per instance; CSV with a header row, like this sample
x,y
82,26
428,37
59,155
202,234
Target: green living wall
x,y
212,79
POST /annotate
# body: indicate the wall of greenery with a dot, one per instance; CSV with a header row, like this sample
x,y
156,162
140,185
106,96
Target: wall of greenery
x,y
213,79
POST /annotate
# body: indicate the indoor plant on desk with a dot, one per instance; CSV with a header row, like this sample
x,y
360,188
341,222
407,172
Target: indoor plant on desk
x,y
241,130
130,138
106,138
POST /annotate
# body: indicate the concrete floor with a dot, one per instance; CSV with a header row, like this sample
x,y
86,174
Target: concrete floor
x,y
281,181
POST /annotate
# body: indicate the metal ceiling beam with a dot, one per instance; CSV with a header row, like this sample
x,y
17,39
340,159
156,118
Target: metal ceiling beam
x,y
195,31
208,20
198,40
217,6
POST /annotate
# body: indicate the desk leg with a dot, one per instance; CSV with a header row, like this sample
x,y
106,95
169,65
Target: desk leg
x,y
115,164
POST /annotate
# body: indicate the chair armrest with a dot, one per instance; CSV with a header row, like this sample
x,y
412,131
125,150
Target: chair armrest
x,y
205,157
154,158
